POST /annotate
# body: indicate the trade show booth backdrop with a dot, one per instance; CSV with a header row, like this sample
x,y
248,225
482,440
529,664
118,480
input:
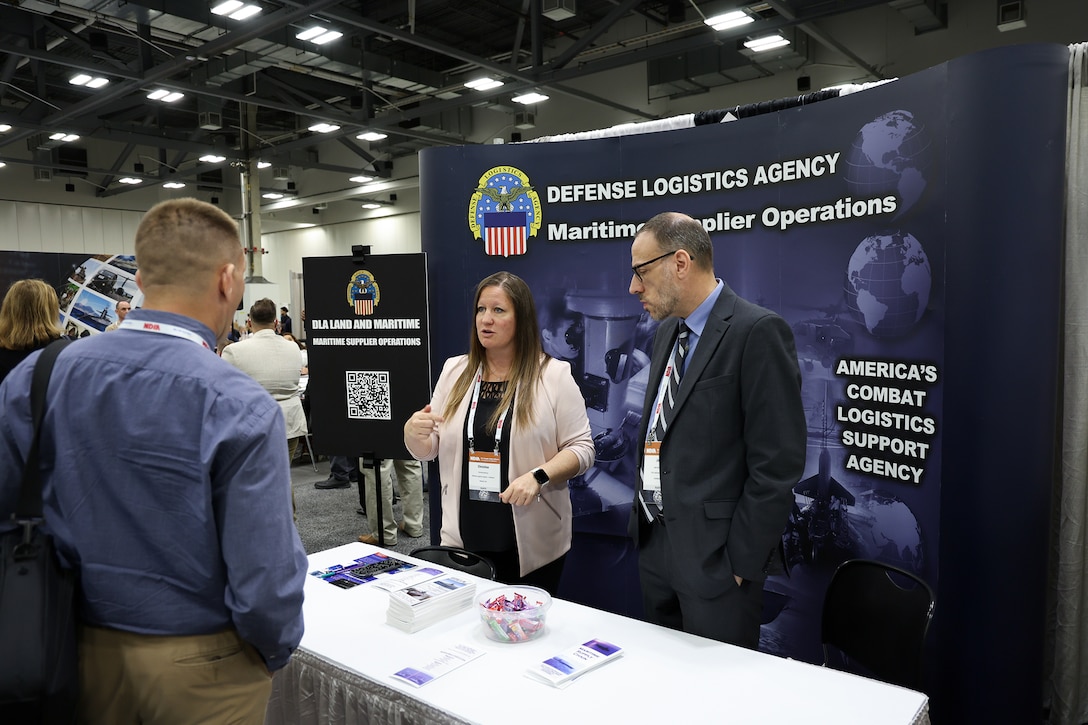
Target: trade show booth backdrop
x,y
911,236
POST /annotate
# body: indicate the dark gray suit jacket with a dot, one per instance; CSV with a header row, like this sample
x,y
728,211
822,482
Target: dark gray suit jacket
x,y
735,447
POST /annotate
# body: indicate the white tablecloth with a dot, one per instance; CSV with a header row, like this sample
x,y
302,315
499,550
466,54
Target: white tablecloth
x,y
341,673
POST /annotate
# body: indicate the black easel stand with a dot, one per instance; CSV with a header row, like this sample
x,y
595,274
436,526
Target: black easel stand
x,y
362,486
378,498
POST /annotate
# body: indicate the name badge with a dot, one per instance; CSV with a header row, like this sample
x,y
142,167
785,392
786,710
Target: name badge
x,y
484,481
651,469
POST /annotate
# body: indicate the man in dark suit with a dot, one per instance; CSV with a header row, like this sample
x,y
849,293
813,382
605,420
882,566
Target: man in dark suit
x,y
723,432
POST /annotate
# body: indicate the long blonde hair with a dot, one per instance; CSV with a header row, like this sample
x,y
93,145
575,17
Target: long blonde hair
x,y
529,357
29,316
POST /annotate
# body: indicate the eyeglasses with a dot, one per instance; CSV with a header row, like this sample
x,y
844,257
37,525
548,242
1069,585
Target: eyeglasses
x,y
638,268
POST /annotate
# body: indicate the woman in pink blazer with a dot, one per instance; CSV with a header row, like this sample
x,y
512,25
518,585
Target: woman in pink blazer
x,y
508,425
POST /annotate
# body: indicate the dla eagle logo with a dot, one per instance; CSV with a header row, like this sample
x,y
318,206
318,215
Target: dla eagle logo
x,y
363,292
504,211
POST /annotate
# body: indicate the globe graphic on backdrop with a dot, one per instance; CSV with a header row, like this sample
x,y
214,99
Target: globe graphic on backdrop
x,y
890,155
884,528
887,283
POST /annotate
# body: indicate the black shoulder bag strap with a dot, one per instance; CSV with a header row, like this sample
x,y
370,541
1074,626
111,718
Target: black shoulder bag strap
x,y
28,512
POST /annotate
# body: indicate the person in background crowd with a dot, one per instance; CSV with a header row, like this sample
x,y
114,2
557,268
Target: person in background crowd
x,y
509,427
302,348
285,322
122,308
166,485
342,473
717,466
235,334
409,481
28,321
276,364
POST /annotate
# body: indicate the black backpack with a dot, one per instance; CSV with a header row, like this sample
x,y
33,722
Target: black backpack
x,y
39,662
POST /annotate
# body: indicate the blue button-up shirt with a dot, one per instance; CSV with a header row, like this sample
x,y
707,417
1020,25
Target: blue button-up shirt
x,y
696,321
166,483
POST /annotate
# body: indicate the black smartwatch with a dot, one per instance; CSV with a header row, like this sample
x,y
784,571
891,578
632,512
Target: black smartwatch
x,y
541,477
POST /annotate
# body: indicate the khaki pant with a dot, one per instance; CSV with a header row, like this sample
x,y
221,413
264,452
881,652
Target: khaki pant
x,y
410,484
292,446
130,679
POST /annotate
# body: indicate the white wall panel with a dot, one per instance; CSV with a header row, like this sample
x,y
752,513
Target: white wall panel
x,y
9,225
129,221
29,228
395,234
52,230
113,232
93,241
73,238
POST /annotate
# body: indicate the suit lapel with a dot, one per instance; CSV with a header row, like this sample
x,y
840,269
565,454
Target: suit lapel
x,y
713,333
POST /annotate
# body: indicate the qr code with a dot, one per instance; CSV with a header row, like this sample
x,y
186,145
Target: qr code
x,y
368,395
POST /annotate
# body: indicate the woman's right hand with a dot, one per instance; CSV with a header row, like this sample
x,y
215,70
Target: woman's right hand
x,y
422,424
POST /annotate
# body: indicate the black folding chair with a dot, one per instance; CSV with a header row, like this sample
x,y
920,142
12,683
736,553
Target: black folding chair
x,y
452,557
875,620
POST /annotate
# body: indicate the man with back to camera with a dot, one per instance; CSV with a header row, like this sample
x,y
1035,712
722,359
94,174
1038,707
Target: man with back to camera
x,y
177,514
276,364
721,446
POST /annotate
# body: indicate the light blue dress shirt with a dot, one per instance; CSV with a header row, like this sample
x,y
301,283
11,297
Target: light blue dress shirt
x,y
166,483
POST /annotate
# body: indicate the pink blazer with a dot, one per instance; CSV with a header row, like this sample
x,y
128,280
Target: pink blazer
x,y
560,424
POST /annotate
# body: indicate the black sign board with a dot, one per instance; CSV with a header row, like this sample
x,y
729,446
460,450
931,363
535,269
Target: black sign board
x,y
369,351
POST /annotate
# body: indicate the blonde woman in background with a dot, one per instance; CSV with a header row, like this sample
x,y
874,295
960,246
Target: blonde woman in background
x,y
29,320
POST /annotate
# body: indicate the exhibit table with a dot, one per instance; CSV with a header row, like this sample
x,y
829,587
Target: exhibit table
x,y
342,671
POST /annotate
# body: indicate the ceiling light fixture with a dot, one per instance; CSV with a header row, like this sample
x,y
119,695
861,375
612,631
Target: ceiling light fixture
x,y
130,180
212,158
173,185
767,42
263,164
88,81
372,136
2,164
272,195
247,11
372,205
5,127
529,98
323,127
165,96
484,84
733,19
361,179
318,35
236,9
63,137
225,8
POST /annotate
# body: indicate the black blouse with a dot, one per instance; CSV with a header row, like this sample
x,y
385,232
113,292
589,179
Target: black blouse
x,y
487,525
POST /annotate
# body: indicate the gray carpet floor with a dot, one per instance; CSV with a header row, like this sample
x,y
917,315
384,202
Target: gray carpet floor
x,y
329,518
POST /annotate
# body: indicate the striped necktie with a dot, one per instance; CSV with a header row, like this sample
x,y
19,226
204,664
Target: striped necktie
x,y
669,400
